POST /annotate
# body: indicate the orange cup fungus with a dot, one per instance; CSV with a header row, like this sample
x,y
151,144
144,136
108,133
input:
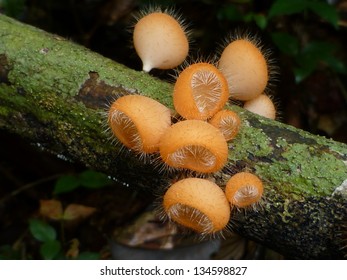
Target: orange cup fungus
x,y
160,41
228,122
139,122
261,105
245,68
244,189
195,145
198,204
200,91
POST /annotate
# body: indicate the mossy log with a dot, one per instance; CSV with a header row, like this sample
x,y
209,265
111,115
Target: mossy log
x,y
54,93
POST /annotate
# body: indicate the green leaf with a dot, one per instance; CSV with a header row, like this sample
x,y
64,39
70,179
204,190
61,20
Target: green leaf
x,y
42,231
66,183
260,20
325,11
88,256
8,253
94,180
285,7
314,53
286,43
248,17
89,179
302,73
13,8
229,12
336,64
50,249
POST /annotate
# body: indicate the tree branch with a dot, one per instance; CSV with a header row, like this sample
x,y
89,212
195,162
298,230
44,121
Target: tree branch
x,y
55,94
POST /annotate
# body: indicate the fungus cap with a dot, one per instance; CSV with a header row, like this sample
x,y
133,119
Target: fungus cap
x,y
245,68
244,189
139,122
261,105
228,122
198,204
160,41
200,91
195,145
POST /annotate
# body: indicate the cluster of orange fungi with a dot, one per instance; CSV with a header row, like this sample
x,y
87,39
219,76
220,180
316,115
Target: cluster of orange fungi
x,y
198,142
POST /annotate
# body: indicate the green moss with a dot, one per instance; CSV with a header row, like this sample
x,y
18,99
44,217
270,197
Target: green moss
x,y
281,143
4,111
68,65
304,170
67,124
249,141
300,163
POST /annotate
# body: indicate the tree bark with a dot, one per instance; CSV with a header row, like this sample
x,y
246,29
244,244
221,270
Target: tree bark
x,y
55,94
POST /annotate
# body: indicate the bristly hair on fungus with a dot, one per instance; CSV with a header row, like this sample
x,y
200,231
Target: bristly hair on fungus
x,y
198,204
134,120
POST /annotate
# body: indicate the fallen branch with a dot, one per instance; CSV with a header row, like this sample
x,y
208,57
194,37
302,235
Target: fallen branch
x,y
54,93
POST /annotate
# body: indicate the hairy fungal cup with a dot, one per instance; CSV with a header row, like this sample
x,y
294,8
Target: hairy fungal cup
x,y
244,190
195,145
261,105
160,40
198,204
228,122
200,91
245,67
139,122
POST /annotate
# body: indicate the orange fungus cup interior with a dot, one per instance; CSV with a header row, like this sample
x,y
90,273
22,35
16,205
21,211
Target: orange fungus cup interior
x,y
139,122
228,122
160,41
245,68
244,189
198,204
194,145
200,91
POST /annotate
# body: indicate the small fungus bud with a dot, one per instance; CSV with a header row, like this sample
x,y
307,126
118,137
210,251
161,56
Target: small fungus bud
x,y
244,189
228,122
261,105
